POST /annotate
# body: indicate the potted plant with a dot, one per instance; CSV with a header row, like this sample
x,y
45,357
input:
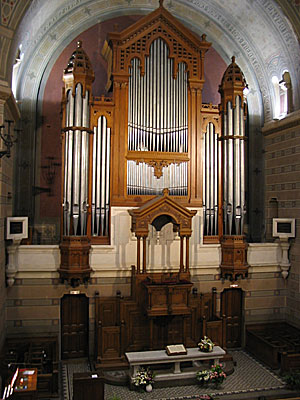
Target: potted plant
x,y
144,378
217,375
206,344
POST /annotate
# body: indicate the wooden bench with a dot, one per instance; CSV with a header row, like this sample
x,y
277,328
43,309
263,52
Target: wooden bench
x,y
274,344
158,357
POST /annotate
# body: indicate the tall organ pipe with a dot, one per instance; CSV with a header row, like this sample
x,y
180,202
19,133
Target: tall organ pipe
x,y
237,168
230,168
75,196
101,179
210,181
234,168
157,117
84,165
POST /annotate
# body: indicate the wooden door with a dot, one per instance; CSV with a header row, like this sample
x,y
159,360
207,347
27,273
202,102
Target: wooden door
x,y
232,308
74,326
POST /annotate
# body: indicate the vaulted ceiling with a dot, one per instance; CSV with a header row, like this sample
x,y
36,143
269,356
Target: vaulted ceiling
x,y
262,34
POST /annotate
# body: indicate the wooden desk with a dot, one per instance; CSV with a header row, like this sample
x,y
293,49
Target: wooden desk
x,y
26,385
147,358
88,386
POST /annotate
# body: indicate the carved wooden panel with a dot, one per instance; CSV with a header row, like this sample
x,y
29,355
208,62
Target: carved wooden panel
x,y
136,327
110,342
75,264
234,257
108,312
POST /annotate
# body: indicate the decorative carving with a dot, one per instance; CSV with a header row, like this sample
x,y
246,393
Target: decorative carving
x,y
75,267
158,165
234,257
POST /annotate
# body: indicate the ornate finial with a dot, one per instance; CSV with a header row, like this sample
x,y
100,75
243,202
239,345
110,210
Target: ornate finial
x,y
233,59
161,3
165,192
79,44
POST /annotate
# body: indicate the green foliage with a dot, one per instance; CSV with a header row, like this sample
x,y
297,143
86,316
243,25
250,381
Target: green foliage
x,y
115,397
293,379
215,375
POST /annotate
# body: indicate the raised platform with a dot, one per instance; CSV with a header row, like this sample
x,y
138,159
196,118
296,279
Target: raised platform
x,y
183,366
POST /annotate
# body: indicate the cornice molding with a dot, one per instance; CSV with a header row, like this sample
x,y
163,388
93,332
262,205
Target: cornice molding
x,y
290,121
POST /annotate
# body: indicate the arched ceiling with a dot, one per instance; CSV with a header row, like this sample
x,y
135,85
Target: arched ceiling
x,y
257,32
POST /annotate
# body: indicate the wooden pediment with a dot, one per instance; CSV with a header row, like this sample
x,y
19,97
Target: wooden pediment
x,y
160,206
135,41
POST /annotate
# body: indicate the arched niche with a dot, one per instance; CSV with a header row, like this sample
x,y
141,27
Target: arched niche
x,y
158,212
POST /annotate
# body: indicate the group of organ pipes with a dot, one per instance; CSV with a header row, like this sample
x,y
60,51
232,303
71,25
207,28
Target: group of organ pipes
x,y
148,143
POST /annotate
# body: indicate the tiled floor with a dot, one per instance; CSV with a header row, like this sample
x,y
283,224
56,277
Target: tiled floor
x,y
249,380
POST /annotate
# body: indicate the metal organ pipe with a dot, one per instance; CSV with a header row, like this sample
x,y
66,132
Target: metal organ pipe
x,y
229,171
84,165
77,157
234,168
75,196
242,163
210,181
157,120
101,178
225,177
237,168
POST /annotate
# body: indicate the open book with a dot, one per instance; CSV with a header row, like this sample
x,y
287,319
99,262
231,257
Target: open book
x,y
175,349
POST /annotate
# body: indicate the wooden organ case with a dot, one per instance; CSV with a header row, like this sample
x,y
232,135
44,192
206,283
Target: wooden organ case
x,y
151,145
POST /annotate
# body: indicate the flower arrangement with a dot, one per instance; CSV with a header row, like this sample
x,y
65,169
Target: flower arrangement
x,y
143,378
206,344
203,376
215,375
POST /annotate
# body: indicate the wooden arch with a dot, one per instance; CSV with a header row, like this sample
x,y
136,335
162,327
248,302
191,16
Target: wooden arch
x,y
160,206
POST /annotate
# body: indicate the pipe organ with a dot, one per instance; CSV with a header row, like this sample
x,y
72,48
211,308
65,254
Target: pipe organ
x,y
153,132
233,111
233,115
157,121
87,149
100,179
211,149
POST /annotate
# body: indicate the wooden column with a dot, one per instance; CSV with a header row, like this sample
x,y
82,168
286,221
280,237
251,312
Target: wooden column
x,y
138,261
181,254
187,254
144,254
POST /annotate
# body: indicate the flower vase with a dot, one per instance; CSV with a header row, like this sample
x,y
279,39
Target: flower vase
x,y
217,385
148,388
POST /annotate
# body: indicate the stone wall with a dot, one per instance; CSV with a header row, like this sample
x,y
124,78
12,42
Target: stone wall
x,y
282,166
8,110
